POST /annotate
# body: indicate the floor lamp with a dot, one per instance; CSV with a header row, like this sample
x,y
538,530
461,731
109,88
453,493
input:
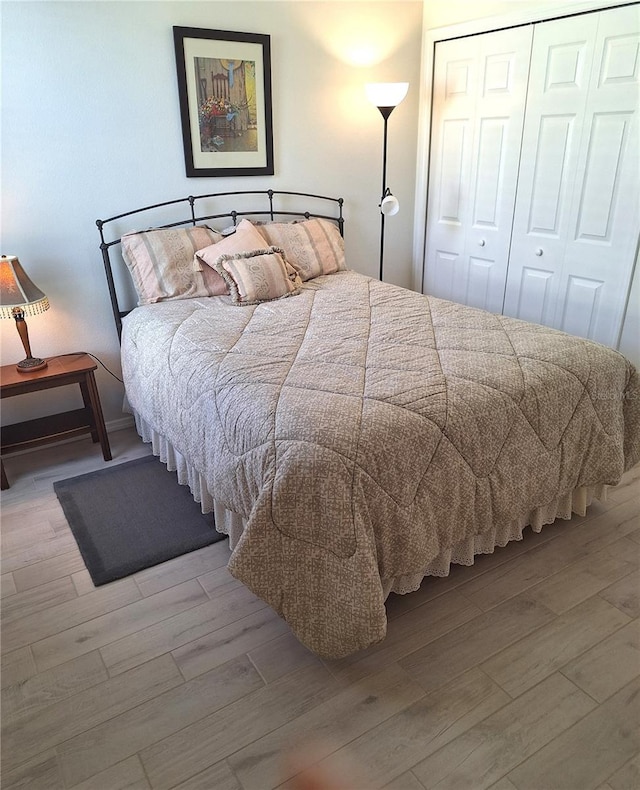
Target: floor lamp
x,y
386,96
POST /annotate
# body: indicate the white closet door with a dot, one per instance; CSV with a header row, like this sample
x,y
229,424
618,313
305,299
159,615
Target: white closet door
x,y
577,217
480,85
604,218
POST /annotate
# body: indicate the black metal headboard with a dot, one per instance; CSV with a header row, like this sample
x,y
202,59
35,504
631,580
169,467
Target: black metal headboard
x,y
202,208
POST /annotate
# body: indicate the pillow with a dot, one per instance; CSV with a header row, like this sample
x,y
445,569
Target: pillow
x,y
161,264
245,239
258,276
313,246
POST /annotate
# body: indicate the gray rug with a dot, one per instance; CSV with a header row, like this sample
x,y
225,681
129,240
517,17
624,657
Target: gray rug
x,y
131,516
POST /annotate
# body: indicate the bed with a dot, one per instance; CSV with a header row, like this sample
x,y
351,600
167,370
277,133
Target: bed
x,y
350,436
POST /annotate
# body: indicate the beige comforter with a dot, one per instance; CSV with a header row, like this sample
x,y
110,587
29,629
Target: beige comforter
x,y
361,429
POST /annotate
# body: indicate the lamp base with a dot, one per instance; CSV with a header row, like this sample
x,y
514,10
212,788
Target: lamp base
x,y
30,364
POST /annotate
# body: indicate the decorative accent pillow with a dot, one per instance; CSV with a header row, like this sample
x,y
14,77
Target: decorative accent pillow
x,y
258,276
161,263
313,246
245,239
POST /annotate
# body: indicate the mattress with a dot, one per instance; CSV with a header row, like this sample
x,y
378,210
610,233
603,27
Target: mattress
x,y
360,433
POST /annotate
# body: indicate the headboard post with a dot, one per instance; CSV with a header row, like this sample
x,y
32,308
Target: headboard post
x,y
270,193
104,248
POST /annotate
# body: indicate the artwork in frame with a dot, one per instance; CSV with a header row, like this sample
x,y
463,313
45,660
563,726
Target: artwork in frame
x,y
224,85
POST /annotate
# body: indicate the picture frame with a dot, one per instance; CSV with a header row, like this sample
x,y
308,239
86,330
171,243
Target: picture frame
x,y
224,87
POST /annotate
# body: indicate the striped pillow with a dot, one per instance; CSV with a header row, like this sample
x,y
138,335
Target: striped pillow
x,y
314,246
161,264
258,276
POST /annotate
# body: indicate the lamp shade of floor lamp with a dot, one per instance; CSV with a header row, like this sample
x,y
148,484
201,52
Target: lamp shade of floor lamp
x,y
386,96
20,297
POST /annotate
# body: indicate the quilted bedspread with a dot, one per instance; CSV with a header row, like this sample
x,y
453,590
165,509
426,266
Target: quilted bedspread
x,y
360,429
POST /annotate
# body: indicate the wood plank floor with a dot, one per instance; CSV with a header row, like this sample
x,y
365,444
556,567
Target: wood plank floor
x,y
522,671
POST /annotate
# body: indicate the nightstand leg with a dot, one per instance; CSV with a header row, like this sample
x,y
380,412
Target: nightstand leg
x,y
88,404
96,409
5,482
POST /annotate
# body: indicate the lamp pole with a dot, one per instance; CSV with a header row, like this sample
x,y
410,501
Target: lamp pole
x,y
385,112
386,96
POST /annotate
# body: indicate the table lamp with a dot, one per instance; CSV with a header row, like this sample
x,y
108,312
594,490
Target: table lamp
x,y
19,296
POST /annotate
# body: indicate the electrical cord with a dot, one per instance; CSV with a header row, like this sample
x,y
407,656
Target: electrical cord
x,y
93,356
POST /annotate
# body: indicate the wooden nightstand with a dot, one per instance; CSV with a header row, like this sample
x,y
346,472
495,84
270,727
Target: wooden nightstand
x,y
61,370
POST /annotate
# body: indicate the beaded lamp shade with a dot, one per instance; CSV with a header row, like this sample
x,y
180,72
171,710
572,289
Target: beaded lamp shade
x,y
19,297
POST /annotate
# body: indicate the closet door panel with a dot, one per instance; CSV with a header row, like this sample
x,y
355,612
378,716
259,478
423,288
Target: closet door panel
x,y
604,216
455,88
534,295
561,65
549,176
478,109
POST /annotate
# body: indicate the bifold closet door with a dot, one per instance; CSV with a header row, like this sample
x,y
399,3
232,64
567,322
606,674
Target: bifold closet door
x,y
577,215
479,92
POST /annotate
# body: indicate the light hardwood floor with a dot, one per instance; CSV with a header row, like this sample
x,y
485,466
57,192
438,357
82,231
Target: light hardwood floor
x,y
522,671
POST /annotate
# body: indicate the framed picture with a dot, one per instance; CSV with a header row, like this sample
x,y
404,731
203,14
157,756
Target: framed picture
x,y
224,84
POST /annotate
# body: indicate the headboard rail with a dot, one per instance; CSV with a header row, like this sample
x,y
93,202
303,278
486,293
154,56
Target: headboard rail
x,y
278,204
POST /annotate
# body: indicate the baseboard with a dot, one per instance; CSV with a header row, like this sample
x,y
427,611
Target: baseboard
x,y
120,424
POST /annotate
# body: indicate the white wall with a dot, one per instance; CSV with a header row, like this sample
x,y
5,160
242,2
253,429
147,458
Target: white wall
x,y
438,13
91,127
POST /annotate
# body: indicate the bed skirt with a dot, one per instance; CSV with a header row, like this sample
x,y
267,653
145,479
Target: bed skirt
x,y
232,524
